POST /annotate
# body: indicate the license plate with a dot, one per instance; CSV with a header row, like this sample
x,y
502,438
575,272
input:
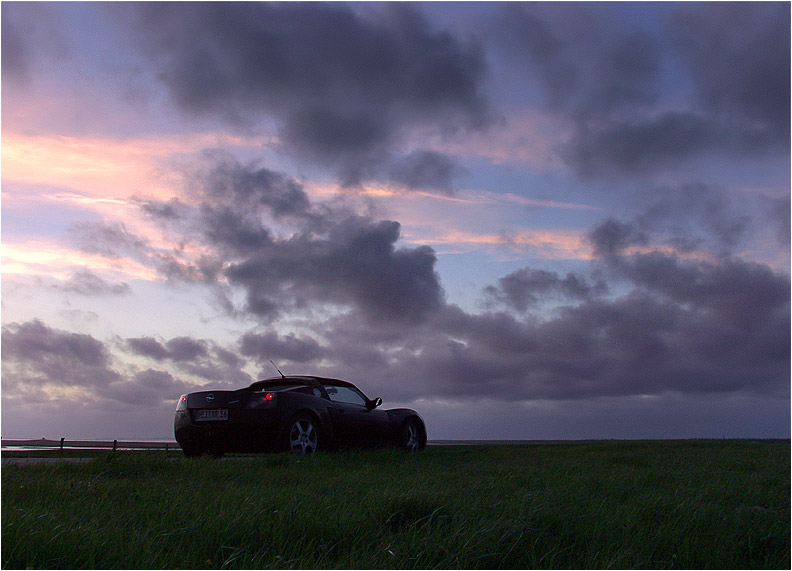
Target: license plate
x,y
211,414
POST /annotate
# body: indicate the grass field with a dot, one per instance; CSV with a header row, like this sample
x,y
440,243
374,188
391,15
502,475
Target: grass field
x,y
677,504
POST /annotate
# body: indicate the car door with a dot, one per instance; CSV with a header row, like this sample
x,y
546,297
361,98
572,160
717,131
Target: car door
x,y
354,423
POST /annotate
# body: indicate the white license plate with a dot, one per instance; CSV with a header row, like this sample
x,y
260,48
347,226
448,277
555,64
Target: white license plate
x,y
211,414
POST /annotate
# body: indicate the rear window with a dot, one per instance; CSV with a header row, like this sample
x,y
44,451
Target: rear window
x,y
276,386
299,389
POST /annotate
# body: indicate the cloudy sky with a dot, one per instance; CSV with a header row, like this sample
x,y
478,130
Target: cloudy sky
x,y
527,221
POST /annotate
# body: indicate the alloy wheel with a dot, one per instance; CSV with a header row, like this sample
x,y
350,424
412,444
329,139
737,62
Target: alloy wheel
x,y
303,437
411,437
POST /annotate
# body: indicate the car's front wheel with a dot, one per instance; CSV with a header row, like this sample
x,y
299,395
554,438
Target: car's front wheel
x,y
412,436
302,435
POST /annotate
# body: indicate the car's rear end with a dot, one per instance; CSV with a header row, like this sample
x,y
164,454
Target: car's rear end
x,y
216,422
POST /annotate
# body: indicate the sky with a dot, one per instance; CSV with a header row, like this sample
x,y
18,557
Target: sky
x,y
523,220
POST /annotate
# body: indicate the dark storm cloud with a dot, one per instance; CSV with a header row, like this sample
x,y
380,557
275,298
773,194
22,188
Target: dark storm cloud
x,y
35,354
526,287
678,325
607,74
743,293
34,340
646,143
270,345
695,216
341,85
228,358
239,232
172,267
352,140
688,217
686,327
612,236
185,349
710,337
357,263
158,209
38,358
148,347
681,325
146,389
426,170
252,187
178,349
236,201
738,291
194,357
333,256
235,196
739,57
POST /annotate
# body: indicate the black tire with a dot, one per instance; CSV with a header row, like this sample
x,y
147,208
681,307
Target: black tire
x,y
216,451
191,450
301,435
413,436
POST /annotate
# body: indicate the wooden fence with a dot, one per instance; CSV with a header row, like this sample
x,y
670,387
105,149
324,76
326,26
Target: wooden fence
x,y
64,444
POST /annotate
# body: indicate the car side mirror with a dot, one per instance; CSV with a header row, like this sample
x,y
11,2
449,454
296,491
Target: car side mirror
x,y
374,403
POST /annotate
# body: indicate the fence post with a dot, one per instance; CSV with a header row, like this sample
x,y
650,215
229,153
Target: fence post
x,y
61,444
115,444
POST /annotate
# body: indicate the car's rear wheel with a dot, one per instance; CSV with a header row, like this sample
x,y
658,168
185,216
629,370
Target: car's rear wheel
x,y
302,435
191,450
411,439
216,451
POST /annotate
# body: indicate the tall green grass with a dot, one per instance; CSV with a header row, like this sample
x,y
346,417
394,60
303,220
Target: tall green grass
x,y
685,504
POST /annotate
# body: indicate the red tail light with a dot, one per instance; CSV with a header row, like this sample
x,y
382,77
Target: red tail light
x,y
258,400
182,404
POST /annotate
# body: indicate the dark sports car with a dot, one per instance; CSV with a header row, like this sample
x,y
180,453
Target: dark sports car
x,y
298,413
